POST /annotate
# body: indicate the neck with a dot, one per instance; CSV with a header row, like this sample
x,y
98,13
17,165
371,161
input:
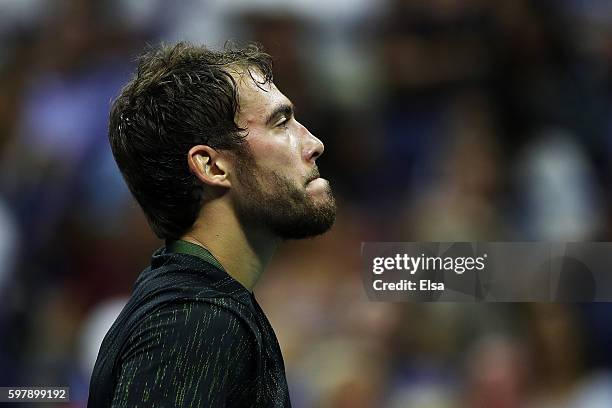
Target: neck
x,y
243,251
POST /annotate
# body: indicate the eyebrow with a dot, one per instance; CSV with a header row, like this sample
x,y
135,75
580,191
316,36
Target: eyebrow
x,y
285,109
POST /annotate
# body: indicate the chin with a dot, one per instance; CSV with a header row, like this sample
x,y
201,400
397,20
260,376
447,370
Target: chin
x,y
318,220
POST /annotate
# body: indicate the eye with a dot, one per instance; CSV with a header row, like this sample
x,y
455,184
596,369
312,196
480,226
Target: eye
x,y
282,123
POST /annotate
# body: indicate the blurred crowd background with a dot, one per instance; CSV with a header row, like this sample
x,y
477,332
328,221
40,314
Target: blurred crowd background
x,y
443,120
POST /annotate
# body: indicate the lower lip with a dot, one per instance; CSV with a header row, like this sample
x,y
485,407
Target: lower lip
x,y
316,184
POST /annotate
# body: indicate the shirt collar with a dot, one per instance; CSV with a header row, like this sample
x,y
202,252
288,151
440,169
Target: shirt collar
x,y
208,268
185,247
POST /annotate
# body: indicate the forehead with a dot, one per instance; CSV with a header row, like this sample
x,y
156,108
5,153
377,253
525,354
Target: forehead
x,y
256,99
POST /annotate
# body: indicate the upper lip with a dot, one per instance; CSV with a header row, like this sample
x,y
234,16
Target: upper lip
x,y
313,176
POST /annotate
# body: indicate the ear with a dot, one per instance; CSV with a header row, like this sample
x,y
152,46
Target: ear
x,y
209,165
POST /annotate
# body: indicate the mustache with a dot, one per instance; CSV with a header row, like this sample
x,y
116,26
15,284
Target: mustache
x,y
314,174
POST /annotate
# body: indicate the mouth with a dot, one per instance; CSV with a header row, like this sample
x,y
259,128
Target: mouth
x,y
313,176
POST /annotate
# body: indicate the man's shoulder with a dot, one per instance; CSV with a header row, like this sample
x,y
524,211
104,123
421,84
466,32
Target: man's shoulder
x,y
174,296
191,321
184,312
189,350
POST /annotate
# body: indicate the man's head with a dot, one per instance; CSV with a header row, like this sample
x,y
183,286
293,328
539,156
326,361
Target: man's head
x,y
195,125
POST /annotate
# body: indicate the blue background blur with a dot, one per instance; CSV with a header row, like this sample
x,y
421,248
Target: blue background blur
x,y
442,120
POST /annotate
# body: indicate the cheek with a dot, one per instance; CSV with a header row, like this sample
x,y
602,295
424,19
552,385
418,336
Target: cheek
x,y
276,152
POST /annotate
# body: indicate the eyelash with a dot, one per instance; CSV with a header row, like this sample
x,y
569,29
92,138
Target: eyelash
x,y
283,124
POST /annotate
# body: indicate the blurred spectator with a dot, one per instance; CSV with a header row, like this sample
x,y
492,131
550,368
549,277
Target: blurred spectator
x,y
558,190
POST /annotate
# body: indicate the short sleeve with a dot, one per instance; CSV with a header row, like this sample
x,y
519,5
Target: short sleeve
x,y
189,354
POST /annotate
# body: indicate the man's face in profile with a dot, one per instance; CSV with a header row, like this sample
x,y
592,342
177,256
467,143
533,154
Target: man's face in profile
x,y
278,183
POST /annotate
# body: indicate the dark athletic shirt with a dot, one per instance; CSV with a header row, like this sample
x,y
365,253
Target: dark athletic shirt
x,y
190,336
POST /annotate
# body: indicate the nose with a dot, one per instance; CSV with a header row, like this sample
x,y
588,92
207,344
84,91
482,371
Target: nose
x,y
312,146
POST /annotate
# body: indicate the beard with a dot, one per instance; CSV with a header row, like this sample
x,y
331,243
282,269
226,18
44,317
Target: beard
x,y
270,200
